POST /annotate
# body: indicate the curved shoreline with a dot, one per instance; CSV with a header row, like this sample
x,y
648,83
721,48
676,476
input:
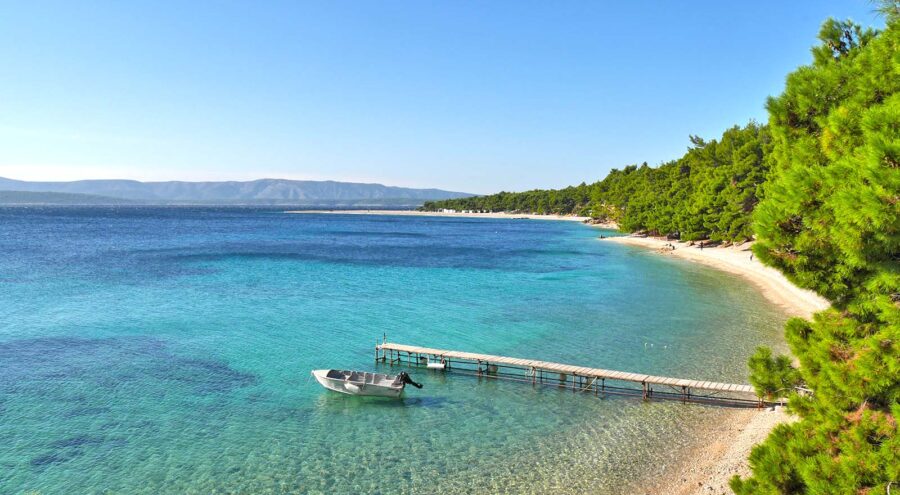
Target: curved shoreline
x,y
708,468
737,260
456,214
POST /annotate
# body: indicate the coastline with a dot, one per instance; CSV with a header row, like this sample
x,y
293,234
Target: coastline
x,y
736,260
733,259
415,213
708,468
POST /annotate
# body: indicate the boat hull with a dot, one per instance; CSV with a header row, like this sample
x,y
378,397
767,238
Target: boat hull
x,y
356,387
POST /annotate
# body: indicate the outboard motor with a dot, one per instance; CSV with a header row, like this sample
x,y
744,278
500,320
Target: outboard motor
x,y
404,377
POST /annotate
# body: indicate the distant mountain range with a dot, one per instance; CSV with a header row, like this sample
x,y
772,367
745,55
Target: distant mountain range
x,y
262,191
51,198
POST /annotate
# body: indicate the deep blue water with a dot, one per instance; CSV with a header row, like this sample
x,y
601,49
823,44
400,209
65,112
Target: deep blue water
x,y
167,350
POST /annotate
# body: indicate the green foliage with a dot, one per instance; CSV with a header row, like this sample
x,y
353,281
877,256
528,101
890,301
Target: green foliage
x,y
832,197
819,186
772,377
830,219
708,193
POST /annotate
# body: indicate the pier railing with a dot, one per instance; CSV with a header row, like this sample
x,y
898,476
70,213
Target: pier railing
x,y
580,379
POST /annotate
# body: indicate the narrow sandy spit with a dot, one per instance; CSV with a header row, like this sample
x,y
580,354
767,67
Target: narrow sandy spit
x,y
737,260
413,213
734,259
707,469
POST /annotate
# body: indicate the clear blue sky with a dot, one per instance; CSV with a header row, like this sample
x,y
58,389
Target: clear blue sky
x,y
471,96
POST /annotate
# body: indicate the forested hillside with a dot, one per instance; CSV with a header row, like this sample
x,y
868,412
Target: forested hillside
x,y
710,192
819,187
830,220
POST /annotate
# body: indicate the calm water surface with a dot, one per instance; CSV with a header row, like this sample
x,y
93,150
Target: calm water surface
x,y
168,350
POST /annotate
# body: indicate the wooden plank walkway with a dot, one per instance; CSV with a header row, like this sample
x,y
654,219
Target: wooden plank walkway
x,y
578,376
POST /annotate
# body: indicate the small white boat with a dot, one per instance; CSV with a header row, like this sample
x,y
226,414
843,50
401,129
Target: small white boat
x,y
364,383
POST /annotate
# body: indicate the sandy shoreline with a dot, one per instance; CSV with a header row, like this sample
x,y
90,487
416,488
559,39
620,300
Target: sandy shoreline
x,y
708,468
736,259
413,213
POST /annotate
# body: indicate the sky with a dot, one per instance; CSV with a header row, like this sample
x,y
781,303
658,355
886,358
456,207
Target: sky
x,y
466,96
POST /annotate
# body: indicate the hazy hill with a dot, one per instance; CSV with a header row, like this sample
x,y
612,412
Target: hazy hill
x,y
51,198
256,191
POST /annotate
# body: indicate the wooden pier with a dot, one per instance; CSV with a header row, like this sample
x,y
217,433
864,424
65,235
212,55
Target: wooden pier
x,y
599,382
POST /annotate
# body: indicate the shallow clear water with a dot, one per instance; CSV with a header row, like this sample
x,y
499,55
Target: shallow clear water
x,y
168,350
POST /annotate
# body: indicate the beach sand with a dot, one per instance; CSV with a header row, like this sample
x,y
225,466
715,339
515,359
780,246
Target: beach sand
x,y
413,213
707,469
736,259
724,452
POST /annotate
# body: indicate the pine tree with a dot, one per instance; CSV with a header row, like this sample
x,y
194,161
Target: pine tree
x,y
830,220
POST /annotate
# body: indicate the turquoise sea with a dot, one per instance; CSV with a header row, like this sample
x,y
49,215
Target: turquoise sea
x,y
168,351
